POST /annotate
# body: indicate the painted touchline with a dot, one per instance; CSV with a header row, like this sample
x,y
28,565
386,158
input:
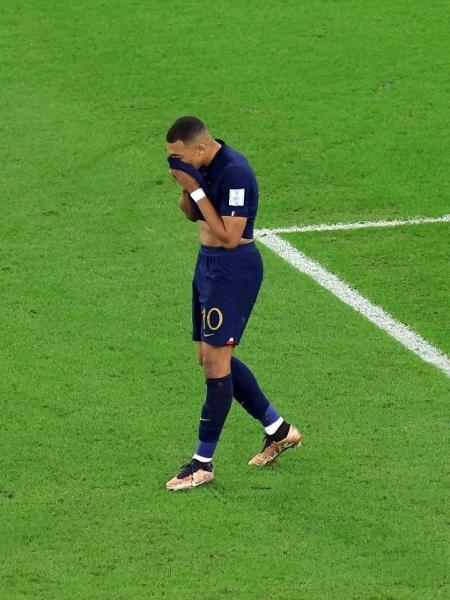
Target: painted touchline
x,y
402,333
358,225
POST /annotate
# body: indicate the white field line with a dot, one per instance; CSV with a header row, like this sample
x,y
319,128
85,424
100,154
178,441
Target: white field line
x,y
359,225
406,336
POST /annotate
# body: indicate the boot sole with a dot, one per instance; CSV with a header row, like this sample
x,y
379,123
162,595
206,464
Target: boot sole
x,y
187,486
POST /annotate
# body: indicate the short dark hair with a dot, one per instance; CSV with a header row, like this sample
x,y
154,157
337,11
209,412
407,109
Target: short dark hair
x,y
185,129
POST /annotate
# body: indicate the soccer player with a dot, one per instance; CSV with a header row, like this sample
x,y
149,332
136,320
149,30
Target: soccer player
x,y
219,190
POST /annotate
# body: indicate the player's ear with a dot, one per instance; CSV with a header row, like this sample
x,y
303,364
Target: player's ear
x,y
201,149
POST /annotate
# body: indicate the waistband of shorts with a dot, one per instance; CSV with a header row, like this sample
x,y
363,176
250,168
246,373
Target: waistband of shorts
x,y
220,251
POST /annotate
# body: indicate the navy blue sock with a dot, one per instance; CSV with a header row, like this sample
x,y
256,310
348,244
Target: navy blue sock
x,y
249,395
219,396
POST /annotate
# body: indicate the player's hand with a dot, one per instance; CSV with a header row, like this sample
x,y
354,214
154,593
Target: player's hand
x,y
187,182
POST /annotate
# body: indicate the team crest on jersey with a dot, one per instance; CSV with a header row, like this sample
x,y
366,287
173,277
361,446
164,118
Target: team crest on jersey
x,y
236,197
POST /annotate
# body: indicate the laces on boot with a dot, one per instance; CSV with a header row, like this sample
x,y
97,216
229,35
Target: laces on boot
x,y
191,467
267,440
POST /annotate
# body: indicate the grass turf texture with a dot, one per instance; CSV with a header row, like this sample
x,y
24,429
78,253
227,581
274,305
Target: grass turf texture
x,y
404,270
342,109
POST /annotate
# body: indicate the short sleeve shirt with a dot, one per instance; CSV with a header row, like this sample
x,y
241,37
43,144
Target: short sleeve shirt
x,y
231,186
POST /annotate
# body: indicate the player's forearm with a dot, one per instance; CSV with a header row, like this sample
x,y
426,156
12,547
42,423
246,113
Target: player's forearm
x,y
185,204
216,224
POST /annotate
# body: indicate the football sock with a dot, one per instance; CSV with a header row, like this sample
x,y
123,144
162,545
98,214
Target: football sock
x,y
249,395
273,427
219,395
281,432
247,391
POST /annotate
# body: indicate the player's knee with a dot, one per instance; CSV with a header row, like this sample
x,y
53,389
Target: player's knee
x,y
215,368
208,365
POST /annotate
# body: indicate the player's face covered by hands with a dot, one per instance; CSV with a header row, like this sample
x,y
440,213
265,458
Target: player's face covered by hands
x,y
191,154
184,161
187,182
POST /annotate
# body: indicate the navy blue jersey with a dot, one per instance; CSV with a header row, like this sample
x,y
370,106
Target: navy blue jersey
x,y
230,184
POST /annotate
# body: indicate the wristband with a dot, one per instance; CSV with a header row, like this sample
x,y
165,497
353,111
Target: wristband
x,y
198,194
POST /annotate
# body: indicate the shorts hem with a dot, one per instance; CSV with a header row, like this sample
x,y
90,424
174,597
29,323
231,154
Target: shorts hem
x,y
217,343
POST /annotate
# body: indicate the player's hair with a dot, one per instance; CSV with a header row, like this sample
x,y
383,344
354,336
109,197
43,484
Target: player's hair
x,y
185,129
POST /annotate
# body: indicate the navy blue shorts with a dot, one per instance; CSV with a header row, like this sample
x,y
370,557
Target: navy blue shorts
x,y
224,289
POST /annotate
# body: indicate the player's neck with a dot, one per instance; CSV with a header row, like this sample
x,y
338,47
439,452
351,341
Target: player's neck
x,y
215,147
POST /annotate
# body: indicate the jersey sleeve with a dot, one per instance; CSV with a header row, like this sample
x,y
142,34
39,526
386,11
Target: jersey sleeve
x,y
235,192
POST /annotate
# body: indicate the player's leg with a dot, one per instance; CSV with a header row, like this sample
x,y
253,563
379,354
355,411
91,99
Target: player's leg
x,y
216,361
219,395
279,434
193,473
246,391
200,353
207,319
239,300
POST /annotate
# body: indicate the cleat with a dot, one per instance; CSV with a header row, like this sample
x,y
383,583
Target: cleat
x,y
272,449
191,475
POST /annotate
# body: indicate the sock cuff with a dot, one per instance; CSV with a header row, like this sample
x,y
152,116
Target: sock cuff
x,y
216,380
202,459
271,429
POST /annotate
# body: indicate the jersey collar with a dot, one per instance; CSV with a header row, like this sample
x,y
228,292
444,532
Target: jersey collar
x,y
217,157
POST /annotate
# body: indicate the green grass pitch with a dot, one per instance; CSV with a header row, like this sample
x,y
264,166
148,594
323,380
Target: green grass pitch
x,y
342,109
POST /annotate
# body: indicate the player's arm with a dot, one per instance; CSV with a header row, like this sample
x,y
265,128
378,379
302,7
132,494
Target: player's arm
x,y
227,229
185,204
228,225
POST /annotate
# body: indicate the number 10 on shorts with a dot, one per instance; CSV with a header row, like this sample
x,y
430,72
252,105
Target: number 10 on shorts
x,y
212,318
